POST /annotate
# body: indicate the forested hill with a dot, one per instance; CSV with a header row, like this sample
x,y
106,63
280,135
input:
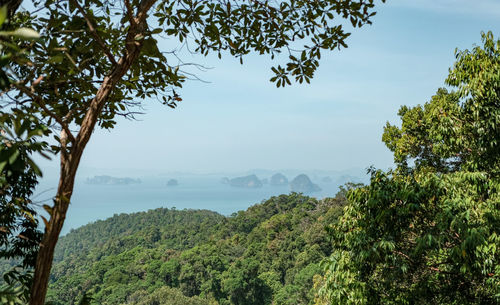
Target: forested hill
x,y
266,254
172,228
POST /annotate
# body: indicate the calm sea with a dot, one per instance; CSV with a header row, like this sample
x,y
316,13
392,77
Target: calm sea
x,y
93,202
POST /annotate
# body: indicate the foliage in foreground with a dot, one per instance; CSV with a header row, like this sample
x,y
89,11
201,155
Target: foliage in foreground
x,y
418,240
97,60
429,232
19,139
19,233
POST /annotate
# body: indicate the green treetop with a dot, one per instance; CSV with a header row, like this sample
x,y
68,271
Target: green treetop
x,y
97,60
429,232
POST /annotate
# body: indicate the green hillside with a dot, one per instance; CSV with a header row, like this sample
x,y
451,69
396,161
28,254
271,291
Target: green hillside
x,y
267,254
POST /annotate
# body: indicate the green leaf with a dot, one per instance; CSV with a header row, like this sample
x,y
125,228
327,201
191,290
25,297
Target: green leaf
x,y
2,165
57,59
25,33
3,14
13,157
35,132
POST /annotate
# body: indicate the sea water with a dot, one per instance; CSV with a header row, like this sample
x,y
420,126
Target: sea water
x,y
93,202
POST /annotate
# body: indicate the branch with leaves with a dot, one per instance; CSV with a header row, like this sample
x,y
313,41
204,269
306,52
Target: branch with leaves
x,y
99,59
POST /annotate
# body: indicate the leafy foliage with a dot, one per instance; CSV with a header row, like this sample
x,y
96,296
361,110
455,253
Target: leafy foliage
x,y
19,139
10,48
458,130
97,60
19,234
165,296
267,254
72,57
429,232
425,239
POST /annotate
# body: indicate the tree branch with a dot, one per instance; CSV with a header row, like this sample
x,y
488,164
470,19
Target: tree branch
x,y
142,12
130,12
39,101
94,32
132,52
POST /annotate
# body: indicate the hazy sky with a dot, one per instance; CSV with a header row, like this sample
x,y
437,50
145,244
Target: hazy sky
x,y
241,121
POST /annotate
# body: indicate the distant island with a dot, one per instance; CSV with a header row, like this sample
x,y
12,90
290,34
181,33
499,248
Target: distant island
x,y
224,180
108,180
326,179
250,181
172,182
347,178
302,184
278,179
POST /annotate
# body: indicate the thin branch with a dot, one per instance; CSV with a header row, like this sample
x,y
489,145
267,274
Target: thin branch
x,y
130,12
94,32
39,101
72,60
143,10
404,255
131,115
43,192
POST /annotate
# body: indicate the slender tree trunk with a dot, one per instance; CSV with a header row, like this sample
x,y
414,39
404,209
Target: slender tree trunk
x,y
52,231
70,159
70,156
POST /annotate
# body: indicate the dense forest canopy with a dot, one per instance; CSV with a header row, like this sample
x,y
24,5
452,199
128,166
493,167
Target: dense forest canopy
x,y
267,254
99,60
425,232
428,232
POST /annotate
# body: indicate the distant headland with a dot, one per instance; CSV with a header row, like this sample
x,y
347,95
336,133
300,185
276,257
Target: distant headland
x,y
108,180
172,182
302,184
278,179
250,181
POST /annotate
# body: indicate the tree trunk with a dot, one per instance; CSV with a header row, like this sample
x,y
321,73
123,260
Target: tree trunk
x,y
51,235
70,157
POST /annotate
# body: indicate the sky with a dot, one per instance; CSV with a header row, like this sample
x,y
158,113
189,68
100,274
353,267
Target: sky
x,y
237,120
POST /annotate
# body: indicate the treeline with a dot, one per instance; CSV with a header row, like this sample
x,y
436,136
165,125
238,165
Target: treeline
x,y
428,232
169,227
267,254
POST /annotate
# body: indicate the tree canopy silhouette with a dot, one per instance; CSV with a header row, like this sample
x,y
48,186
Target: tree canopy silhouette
x,y
97,60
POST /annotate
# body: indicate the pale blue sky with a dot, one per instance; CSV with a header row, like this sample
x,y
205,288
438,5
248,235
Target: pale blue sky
x,y
241,121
